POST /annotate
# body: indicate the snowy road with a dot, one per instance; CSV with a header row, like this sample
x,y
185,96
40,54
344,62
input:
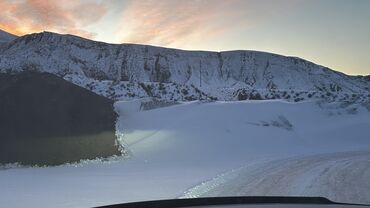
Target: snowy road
x,y
342,177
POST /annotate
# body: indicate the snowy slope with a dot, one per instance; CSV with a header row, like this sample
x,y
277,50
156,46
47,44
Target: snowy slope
x,y
175,148
223,75
6,37
269,127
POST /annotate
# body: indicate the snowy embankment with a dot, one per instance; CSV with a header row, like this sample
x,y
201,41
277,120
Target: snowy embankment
x,y
175,148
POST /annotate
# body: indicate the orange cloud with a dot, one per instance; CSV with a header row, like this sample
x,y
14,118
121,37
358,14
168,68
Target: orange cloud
x,y
27,16
180,23
171,22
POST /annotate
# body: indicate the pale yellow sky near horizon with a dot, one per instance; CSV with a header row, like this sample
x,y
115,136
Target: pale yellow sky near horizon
x,y
332,33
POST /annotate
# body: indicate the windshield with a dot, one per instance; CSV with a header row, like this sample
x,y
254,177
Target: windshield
x,y
107,102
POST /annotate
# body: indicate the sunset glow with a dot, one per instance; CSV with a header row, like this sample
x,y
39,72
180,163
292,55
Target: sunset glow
x,y
315,30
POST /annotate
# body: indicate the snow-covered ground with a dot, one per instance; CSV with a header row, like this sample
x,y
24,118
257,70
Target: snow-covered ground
x,y
341,177
176,148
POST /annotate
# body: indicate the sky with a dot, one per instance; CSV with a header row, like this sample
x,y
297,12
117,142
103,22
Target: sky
x,y
333,33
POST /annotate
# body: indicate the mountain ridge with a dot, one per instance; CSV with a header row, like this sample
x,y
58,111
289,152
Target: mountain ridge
x,y
179,49
6,36
212,73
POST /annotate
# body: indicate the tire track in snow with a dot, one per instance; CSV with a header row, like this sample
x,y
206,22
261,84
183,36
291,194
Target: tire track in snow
x,y
342,177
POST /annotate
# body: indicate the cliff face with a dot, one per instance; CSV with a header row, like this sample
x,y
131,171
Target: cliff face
x,y
67,55
46,120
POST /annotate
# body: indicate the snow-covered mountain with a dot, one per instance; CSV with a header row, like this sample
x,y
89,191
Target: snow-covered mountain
x,y
197,143
125,71
6,37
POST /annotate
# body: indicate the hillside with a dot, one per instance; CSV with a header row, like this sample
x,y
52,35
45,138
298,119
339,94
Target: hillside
x,y
179,149
6,37
45,120
127,71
